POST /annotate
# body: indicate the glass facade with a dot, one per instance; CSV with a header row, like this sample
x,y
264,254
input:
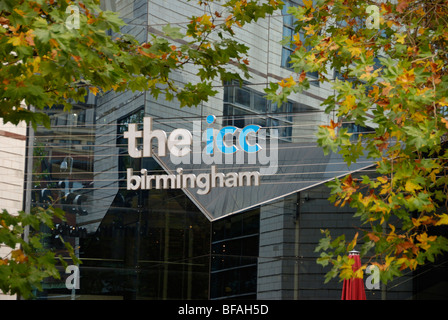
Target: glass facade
x,y
148,245
157,244
235,243
244,106
288,47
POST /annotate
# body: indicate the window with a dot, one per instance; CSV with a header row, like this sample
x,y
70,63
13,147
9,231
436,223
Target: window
x,y
288,48
244,106
356,130
235,243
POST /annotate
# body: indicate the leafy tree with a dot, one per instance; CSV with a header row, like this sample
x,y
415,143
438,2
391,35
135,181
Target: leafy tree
x,y
391,65
49,57
29,262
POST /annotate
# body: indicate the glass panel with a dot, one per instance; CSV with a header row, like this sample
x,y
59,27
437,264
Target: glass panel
x,y
132,244
287,18
284,128
228,112
235,245
286,58
259,103
242,96
229,92
260,121
239,119
287,36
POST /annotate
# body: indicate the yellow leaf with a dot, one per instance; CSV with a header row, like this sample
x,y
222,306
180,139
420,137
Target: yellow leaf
x,y
424,239
54,43
400,38
309,30
389,260
411,186
413,264
297,40
18,256
402,260
419,116
21,12
443,219
229,21
433,175
392,235
94,90
445,121
308,3
443,101
348,103
288,83
352,244
18,40
36,64
367,75
355,51
205,20
359,273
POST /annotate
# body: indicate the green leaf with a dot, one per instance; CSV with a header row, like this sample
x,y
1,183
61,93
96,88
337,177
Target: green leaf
x,y
172,32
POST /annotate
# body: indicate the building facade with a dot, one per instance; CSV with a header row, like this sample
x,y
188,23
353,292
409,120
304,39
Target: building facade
x,y
243,242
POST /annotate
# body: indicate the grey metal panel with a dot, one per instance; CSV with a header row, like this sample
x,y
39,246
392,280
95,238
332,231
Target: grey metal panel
x,y
300,166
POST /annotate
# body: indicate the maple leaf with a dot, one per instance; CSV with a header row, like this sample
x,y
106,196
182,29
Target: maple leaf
x,y
4,21
308,3
424,239
54,43
288,83
400,38
443,219
18,40
367,75
355,51
302,76
30,37
411,186
372,236
331,128
296,40
94,90
402,5
20,12
403,246
348,104
18,256
309,30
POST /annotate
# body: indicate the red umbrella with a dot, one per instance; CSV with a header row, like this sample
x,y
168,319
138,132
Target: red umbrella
x,y
353,289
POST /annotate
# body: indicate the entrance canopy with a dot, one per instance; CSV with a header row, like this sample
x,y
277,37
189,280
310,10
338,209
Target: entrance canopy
x,y
300,166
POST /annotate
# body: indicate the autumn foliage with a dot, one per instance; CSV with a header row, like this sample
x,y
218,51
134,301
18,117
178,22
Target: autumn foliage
x,y
45,63
394,79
